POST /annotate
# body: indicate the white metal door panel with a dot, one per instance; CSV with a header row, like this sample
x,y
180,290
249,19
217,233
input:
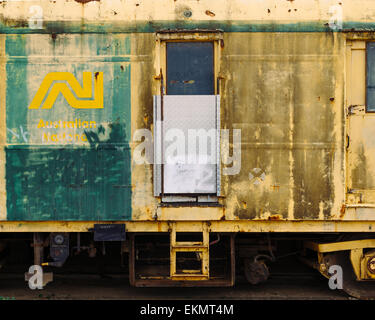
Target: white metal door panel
x,y
190,145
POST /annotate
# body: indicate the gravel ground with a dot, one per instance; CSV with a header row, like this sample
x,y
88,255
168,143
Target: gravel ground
x,y
89,287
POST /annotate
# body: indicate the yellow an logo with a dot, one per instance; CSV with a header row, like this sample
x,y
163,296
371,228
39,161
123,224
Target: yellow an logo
x,y
81,92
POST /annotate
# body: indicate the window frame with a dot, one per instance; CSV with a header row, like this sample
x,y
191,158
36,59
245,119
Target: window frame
x,y
163,37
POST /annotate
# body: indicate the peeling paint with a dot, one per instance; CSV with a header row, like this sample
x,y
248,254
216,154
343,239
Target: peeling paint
x,y
293,126
210,13
87,180
85,1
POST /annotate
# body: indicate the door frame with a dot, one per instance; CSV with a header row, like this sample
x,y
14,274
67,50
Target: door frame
x,y
162,38
356,106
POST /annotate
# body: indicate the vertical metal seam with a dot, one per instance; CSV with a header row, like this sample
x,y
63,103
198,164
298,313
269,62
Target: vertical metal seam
x,y
218,155
3,84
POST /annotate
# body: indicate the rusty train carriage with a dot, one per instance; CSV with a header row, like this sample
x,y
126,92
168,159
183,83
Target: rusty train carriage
x,y
299,92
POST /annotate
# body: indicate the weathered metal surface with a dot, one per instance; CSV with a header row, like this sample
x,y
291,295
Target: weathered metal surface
x,y
190,213
361,159
3,210
292,132
108,16
68,160
266,77
340,246
287,92
255,226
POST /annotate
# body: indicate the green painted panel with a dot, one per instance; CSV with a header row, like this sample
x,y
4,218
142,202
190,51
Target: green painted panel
x,y
68,163
14,26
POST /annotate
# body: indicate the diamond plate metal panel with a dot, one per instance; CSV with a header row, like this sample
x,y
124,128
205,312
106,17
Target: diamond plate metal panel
x,y
190,144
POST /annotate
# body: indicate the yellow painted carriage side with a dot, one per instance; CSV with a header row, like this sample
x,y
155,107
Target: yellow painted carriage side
x,y
284,90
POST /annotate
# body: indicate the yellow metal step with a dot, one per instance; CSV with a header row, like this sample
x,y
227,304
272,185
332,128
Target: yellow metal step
x,y
201,247
189,248
195,277
188,244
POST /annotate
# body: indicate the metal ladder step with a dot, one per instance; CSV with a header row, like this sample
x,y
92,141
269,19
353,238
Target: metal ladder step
x,y
201,247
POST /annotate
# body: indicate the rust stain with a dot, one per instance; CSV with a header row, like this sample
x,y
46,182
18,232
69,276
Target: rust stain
x,y
85,1
342,211
275,217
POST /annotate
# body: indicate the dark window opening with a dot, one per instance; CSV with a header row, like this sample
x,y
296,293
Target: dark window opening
x,y
370,77
190,68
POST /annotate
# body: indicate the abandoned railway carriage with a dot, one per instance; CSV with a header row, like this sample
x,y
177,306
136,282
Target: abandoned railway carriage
x,y
196,134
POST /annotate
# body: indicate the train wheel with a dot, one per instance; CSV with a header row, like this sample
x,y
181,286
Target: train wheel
x,y
256,271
